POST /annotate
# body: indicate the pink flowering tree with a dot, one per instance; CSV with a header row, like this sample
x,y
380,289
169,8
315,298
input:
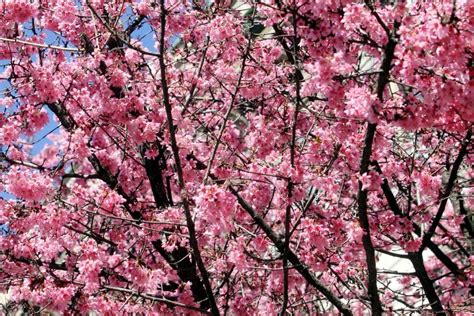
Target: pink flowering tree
x,y
242,158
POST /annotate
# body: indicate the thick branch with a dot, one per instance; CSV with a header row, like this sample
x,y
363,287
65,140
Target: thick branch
x,y
364,223
292,162
63,115
362,194
426,283
154,168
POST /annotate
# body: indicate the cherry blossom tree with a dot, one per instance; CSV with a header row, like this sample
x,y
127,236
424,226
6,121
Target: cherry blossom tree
x,y
243,158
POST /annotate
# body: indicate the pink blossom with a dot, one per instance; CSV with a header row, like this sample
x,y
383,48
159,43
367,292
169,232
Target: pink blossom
x,y
272,157
413,245
31,187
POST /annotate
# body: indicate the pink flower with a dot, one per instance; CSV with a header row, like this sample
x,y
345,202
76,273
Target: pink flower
x,y
370,181
118,78
28,186
20,10
412,245
260,244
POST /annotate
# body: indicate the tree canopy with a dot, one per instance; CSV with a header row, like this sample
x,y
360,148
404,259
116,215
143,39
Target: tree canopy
x,y
243,158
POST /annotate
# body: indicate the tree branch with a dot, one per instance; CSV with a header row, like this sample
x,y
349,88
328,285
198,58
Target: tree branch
x,y
362,195
174,146
229,110
416,258
20,41
154,298
297,264
448,188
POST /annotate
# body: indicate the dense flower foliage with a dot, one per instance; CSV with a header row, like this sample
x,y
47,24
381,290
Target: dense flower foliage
x,y
244,158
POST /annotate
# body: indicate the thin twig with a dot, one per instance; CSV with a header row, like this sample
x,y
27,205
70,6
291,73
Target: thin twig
x,y
154,298
229,110
19,41
179,170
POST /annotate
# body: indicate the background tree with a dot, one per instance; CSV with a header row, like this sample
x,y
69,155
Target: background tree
x,y
236,158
